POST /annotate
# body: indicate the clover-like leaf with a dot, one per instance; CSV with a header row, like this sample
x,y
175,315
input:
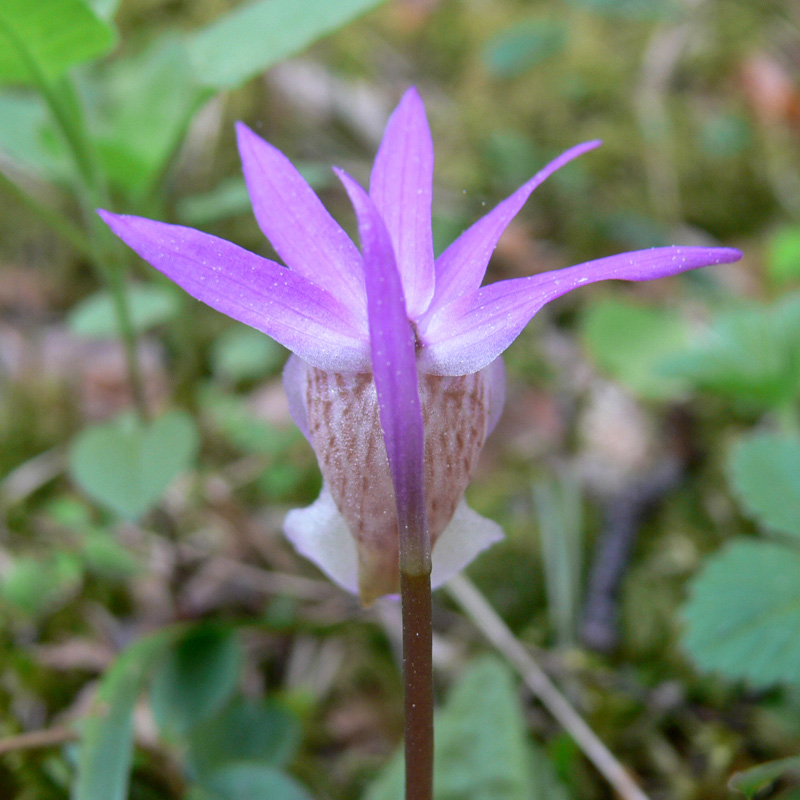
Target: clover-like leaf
x,y
743,615
750,354
126,465
765,474
629,341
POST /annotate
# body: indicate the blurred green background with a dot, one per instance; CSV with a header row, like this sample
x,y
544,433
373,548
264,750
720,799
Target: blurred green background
x,y
646,469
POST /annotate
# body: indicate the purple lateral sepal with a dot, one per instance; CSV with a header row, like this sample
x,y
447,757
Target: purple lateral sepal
x,y
471,331
256,291
461,267
303,233
394,369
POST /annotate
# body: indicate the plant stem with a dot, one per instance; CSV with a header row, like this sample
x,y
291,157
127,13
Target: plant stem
x,y
92,193
60,224
415,591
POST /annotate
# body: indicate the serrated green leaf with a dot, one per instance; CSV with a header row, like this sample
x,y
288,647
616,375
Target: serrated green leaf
x,y
629,341
127,465
149,306
743,615
252,732
481,749
764,471
750,781
253,782
751,354
197,677
54,35
226,54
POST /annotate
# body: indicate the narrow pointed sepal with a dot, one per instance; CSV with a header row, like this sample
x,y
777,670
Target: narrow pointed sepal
x,y
471,331
394,368
254,290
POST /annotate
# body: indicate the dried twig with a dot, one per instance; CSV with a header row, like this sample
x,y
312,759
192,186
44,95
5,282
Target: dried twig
x,y
492,626
31,475
36,740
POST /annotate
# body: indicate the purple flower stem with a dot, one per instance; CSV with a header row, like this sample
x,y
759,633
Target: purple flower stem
x,y
415,592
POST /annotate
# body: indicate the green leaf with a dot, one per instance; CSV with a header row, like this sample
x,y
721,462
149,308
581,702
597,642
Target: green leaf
x,y
253,782
783,255
524,45
127,465
751,354
105,8
105,751
629,341
743,615
229,415
228,199
241,353
764,471
725,135
750,781
197,677
141,107
35,586
52,34
226,54
104,556
149,306
24,136
557,507
254,732
481,751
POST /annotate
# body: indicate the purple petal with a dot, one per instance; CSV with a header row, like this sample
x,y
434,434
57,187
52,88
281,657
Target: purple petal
x,y
296,223
470,332
258,292
401,186
394,369
461,267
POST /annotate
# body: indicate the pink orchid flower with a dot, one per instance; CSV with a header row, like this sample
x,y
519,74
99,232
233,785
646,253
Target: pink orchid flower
x,y
396,377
